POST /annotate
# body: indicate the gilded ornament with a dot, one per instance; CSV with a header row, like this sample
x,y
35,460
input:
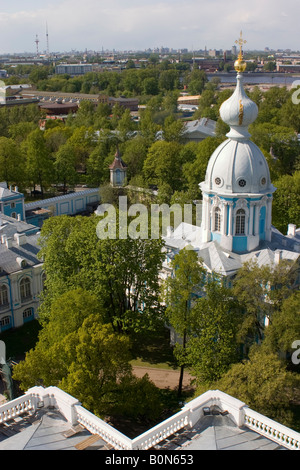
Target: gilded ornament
x,y
241,113
240,65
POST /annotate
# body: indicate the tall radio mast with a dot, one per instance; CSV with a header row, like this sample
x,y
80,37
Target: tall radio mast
x,y
47,38
37,44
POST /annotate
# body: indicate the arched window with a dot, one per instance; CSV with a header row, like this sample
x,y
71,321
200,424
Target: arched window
x,y
5,321
217,219
118,177
25,288
240,222
3,296
28,314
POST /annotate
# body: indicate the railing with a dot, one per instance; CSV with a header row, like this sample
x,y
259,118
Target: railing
x,y
98,426
16,408
187,417
271,429
161,431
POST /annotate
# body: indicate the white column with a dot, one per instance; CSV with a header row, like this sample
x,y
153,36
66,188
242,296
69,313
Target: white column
x,y
251,219
208,215
230,218
268,219
256,224
206,219
204,213
224,219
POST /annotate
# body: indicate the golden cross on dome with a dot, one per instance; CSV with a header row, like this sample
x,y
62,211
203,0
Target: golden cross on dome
x,y
240,42
240,65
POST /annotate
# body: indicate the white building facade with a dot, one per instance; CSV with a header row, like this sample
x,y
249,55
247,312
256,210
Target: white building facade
x,y
21,273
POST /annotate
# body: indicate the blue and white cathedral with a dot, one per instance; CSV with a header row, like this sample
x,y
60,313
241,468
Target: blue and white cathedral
x,y
237,191
237,194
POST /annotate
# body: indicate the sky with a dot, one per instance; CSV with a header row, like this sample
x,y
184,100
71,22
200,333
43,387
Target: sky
x,y
143,24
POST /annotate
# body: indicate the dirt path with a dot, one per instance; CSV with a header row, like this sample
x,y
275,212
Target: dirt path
x,y
164,378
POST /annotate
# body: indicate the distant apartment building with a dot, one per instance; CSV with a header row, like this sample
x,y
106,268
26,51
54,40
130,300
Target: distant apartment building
x,y
207,64
289,68
215,53
189,99
73,69
48,97
129,103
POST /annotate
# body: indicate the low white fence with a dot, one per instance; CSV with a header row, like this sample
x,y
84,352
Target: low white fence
x,y
160,432
190,414
15,408
97,426
272,430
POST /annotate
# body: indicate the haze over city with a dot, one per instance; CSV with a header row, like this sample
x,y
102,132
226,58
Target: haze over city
x,y
141,24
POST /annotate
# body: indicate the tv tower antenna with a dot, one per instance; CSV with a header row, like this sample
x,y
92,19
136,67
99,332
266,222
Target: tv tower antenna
x,y
47,38
37,44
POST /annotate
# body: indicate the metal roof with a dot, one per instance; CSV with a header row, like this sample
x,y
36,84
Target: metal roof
x,y
225,262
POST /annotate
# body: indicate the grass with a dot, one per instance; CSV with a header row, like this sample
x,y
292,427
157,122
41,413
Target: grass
x,y
153,350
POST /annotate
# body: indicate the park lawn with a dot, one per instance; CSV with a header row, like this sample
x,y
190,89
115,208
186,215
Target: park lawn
x,y
153,350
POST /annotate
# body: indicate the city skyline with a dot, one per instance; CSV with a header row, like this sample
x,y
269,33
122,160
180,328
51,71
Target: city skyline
x,y
139,25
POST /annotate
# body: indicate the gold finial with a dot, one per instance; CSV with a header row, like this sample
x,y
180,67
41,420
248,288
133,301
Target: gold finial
x,y
240,64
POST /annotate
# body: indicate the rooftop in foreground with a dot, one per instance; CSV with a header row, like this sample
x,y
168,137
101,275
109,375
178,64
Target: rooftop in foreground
x,y
50,419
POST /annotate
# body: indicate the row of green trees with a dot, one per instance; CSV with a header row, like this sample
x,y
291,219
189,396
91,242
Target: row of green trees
x,y
151,80
82,148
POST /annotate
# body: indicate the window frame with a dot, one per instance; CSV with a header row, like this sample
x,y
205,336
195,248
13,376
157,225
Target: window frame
x,y
27,313
240,222
4,293
4,321
25,289
217,219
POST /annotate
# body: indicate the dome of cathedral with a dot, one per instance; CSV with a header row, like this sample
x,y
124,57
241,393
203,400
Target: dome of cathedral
x,y
237,191
238,165
239,111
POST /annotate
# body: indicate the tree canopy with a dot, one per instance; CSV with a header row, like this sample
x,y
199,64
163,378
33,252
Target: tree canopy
x,y
122,272
80,353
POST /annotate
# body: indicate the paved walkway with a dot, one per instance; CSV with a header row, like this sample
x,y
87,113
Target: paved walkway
x,y
163,378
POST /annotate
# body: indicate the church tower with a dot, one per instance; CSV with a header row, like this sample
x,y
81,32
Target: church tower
x,y
118,171
237,191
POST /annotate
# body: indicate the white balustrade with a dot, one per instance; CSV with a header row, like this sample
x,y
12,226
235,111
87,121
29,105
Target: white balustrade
x,y
15,408
274,431
162,431
97,426
190,414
